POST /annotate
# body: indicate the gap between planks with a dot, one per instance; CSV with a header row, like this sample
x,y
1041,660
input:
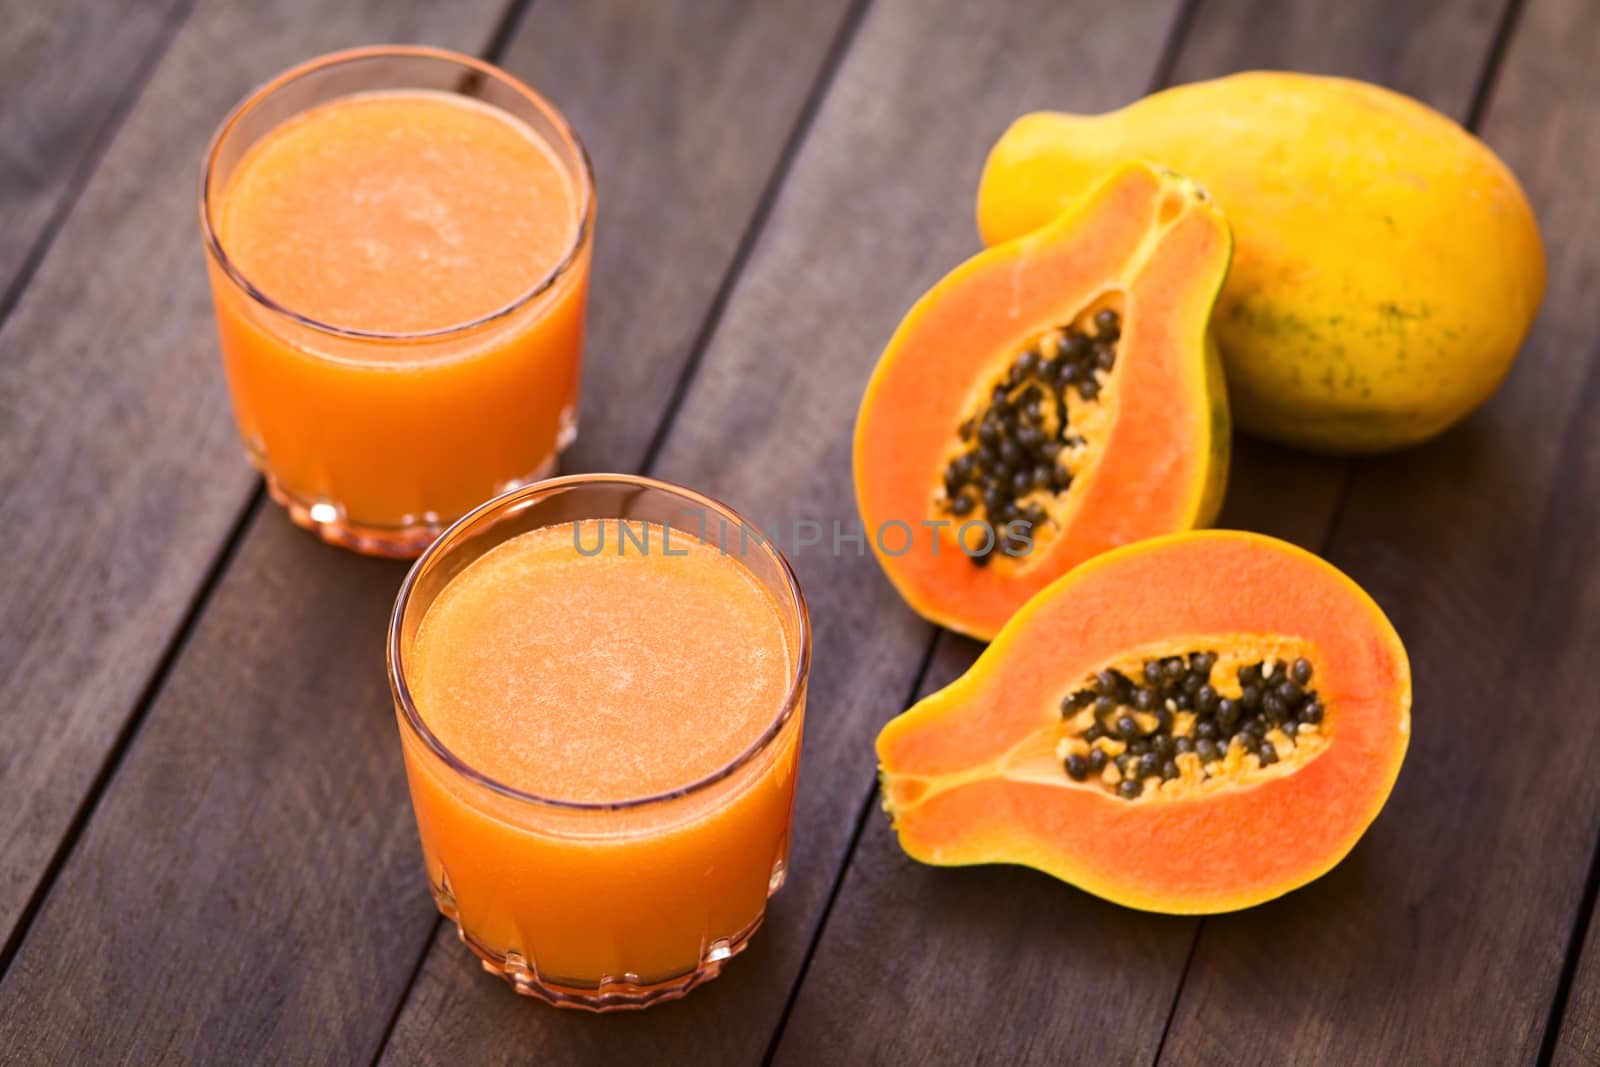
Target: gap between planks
x,y
130,727
1578,937
822,81
1483,92
74,186
499,39
1166,62
500,36
863,813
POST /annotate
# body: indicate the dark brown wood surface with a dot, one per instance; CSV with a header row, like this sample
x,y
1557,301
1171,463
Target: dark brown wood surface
x,y
120,477
54,121
301,852
54,125
208,855
1559,613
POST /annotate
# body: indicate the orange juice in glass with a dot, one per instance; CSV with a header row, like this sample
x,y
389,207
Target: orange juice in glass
x,y
600,684
398,242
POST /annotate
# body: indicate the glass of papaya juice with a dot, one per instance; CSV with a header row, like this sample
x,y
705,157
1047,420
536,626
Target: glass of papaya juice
x,y
398,242
600,685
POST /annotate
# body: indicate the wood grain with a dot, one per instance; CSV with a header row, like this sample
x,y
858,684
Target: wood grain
x,y
1569,613
1434,50
1441,939
67,72
247,889
685,108
121,473
250,885
1060,975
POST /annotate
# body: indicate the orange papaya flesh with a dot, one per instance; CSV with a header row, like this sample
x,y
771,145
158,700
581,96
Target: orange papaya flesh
x,y
984,771
972,420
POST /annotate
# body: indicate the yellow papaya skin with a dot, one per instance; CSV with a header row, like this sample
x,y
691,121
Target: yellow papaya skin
x,y
1386,267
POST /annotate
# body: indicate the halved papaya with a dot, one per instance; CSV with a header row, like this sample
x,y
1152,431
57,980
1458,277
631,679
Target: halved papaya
x,y
1051,398
1196,723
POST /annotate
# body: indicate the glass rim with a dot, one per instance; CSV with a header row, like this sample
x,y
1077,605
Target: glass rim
x,y
563,267
396,658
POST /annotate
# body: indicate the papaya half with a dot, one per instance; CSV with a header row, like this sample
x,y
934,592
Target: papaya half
x,y
1050,398
1387,264
1196,723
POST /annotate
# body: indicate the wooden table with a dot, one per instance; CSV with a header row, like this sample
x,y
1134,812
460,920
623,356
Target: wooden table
x,y
206,851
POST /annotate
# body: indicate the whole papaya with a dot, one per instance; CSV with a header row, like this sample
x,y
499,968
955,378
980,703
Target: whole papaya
x,y
1386,265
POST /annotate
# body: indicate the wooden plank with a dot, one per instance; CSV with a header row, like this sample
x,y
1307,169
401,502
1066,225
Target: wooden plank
x,y
121,473
1434,50
67,73
1442,938
1076,978
877,205
247,890
65,70
930,965
724,87
250,884
1569,613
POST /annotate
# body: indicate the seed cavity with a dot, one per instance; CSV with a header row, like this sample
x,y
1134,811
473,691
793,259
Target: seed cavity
x,y
1169,724
1017,455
